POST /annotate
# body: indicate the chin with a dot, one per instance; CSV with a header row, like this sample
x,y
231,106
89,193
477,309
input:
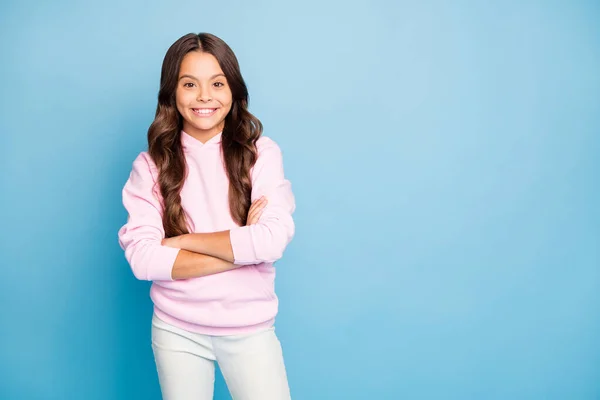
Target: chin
x,y
206,127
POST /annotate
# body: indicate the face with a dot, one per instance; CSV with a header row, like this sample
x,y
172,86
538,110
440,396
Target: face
x,y
203,96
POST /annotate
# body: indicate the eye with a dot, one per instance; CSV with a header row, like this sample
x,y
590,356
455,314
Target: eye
x,y
188,84
219,84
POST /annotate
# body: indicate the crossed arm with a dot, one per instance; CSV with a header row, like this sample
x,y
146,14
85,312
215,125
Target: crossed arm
x,y
263,239
207,253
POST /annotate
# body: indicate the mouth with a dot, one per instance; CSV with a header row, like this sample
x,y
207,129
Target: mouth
x,y
204,112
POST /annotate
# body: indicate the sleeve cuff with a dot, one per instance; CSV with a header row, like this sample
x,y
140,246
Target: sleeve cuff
x,y
163,261
242,245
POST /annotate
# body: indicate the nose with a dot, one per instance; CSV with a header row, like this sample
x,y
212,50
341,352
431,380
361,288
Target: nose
x,y
203,95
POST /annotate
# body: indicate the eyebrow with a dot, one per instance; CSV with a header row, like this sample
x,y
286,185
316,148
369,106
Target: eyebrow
x,y
194,78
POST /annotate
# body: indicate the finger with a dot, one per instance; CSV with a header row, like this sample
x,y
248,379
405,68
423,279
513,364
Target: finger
x,y
255,218
258,204
251,216
255,203
252,220
252,212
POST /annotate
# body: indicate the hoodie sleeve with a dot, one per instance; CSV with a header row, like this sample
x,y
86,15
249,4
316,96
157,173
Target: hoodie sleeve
x,y
266,240
141,236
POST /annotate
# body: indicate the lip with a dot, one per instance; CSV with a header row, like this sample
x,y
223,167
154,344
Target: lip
x,y
201,115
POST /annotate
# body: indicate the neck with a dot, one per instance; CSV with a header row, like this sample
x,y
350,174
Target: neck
x,y
202,135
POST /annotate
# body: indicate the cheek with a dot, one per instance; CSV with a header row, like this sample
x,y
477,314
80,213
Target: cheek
x,y
182,99
179,102
225,97
226,100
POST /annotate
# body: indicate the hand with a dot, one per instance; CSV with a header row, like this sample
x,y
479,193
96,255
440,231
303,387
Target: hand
x,y
256,210
172,242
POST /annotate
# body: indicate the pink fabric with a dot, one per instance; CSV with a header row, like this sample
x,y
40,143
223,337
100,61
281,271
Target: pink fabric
x,y
231,302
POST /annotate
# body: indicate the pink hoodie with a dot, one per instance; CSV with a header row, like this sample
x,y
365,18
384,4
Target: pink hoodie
x,y
231,302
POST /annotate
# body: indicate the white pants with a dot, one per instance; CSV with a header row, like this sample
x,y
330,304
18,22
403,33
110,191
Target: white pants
x,y
252,364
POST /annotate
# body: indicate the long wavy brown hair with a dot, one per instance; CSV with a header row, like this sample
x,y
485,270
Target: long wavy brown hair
x,y
238,141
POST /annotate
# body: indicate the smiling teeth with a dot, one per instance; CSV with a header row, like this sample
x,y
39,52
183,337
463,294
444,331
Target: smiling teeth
x,y
205,111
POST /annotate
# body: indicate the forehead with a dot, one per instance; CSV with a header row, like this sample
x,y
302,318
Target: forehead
x,y
200,65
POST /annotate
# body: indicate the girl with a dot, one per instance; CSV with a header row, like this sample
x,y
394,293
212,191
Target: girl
x,y
210,211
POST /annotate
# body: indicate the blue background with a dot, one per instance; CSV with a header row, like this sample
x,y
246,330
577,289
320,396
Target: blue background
x,y
445,160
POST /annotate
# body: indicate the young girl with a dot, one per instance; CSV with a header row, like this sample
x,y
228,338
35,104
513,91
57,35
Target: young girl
x,y
210,211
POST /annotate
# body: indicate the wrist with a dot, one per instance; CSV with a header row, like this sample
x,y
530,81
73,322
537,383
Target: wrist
x,y
191,242
183,241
